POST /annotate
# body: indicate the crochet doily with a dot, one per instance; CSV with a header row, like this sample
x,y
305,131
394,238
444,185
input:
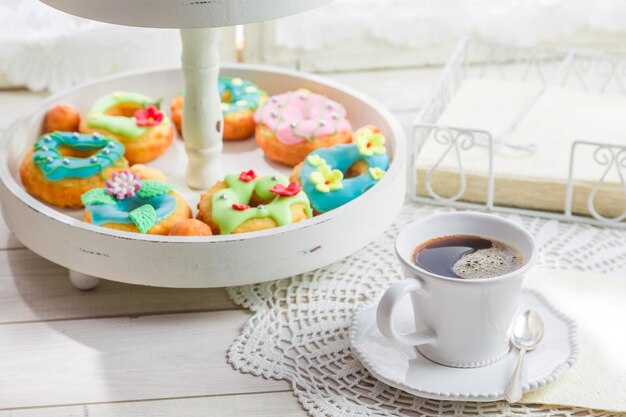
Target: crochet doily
x,y
299,330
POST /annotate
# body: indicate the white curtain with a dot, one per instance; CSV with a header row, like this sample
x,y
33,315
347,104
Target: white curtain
x,y
43,48
420,23
46,49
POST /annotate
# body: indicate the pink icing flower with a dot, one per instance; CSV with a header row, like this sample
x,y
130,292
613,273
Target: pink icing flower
x,y
240,207
123,185
247,176
150,116
289,191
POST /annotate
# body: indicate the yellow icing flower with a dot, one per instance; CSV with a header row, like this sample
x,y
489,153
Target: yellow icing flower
x,y
370,143
316,160
376,173
326,180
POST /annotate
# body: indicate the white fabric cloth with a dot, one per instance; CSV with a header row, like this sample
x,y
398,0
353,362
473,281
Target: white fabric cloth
x,y
596,303
299,330
46,49
420,23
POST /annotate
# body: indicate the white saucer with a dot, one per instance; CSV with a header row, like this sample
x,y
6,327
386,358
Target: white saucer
x,y
405,368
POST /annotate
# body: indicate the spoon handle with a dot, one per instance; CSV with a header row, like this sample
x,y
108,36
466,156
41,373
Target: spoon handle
x,y
513,390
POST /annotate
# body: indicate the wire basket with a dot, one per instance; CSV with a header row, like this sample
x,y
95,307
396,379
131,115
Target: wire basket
x,y
584,71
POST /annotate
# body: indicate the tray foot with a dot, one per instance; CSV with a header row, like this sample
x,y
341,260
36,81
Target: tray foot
x,y
82,281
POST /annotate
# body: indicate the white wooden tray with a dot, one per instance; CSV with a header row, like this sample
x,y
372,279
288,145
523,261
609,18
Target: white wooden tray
x,y
184,13
62,237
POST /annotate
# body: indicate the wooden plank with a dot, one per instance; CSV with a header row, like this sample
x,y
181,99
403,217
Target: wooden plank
x,y
14,103
275,404
122,359
34,289
524,192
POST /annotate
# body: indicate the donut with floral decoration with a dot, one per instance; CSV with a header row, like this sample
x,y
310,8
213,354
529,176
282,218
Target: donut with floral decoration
x,y
332,177
131,204
61,166
293,124
134,120
245,202
240,98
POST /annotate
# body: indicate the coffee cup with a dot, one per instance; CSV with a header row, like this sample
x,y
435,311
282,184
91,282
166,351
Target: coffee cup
x,y
459,322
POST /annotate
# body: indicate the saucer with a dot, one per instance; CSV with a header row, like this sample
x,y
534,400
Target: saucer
x,y
405,368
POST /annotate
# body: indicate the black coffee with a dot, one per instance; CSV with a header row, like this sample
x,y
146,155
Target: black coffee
x,y
467,257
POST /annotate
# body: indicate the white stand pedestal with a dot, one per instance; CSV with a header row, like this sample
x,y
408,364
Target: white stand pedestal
x,y
82,281
203,122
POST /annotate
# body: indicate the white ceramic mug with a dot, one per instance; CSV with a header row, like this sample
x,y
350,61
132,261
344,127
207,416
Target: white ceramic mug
x,y
461,322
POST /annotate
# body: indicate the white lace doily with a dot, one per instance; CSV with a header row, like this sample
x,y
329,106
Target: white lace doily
x,y
299,330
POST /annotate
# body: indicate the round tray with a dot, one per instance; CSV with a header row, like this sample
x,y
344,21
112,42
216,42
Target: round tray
x,y
215,261
185,13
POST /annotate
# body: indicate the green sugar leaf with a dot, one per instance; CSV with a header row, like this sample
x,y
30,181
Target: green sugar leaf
x,y
144,217
153,188
156,103
97,196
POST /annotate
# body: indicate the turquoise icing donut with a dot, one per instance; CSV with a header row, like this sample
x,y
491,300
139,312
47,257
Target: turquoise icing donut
x,y
128,199
244,95
56,167
119,212
322,172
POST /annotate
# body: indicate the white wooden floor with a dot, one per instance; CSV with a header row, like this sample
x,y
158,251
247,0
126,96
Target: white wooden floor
x,y
124,350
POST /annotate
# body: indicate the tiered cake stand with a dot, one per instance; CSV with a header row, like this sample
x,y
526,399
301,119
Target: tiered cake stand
x,y
92,252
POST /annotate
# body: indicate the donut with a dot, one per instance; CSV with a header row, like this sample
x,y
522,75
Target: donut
x,y
62,118
246,202
135,121
333,176
293,124
63,165
240,98
130,204
190,227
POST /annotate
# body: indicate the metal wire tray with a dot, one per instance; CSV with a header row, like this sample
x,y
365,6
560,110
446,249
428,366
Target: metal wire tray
x,y
587,70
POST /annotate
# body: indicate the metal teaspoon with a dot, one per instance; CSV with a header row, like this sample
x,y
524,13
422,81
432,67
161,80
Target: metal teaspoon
x,y
526,335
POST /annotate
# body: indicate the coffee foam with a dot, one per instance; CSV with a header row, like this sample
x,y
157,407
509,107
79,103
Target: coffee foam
x,y
487,263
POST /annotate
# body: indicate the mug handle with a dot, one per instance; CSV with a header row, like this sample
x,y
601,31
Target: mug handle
x,y
387,307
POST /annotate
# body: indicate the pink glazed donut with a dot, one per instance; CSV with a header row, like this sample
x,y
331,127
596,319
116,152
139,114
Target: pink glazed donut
x,y
293,124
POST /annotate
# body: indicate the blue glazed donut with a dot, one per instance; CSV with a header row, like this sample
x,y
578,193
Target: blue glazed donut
x,y
63,165
134,205
240,98
323,173
56,167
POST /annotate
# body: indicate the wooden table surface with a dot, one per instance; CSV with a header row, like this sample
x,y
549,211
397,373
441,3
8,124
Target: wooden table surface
x,y
130,350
